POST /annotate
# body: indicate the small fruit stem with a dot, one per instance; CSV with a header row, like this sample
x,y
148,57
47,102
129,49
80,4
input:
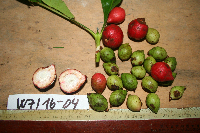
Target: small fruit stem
x,y
97,43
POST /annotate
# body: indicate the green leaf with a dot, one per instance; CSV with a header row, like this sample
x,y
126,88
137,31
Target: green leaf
x,y
107,6
60,6
55,6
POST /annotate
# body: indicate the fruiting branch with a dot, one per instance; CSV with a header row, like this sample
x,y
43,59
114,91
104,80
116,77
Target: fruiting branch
x,y
59,8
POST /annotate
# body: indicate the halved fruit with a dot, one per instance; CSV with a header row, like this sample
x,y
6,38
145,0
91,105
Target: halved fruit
x,y
43,77
71,80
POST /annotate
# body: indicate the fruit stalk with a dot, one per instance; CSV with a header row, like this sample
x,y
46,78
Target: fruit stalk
x,y
97,38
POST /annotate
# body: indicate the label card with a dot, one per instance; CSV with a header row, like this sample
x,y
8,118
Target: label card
x,y
47,102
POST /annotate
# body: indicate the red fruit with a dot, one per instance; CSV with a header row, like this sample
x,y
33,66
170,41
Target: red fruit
x,y
112,36
161,72
116,16
137,29
98,82
71,80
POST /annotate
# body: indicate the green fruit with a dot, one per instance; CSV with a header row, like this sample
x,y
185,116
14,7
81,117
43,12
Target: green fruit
x,y
137,58
153,102
171,61
176,92
114,83
124,52
152,36
134,103
168,83
97,102
107,55
158,53
149,84
111,68
117,98
148,63
138,71
129,81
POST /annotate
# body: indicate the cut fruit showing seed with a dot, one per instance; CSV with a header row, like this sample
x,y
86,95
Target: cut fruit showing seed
x,y
71,80
43,77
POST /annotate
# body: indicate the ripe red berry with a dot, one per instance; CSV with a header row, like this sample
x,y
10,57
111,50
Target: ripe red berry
x,y
161,72
98,82
137,29
116,16
112,36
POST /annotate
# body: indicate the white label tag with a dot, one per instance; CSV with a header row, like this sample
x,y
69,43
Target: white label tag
x,y
47,101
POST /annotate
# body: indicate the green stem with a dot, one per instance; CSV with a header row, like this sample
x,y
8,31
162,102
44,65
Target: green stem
x,y
70,19
97,44
104,25
84,27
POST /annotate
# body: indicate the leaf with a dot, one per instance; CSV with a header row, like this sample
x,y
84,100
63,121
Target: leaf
x,y
107,6
60,6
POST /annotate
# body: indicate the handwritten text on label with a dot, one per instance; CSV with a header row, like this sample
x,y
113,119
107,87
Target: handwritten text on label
x,y
47,101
